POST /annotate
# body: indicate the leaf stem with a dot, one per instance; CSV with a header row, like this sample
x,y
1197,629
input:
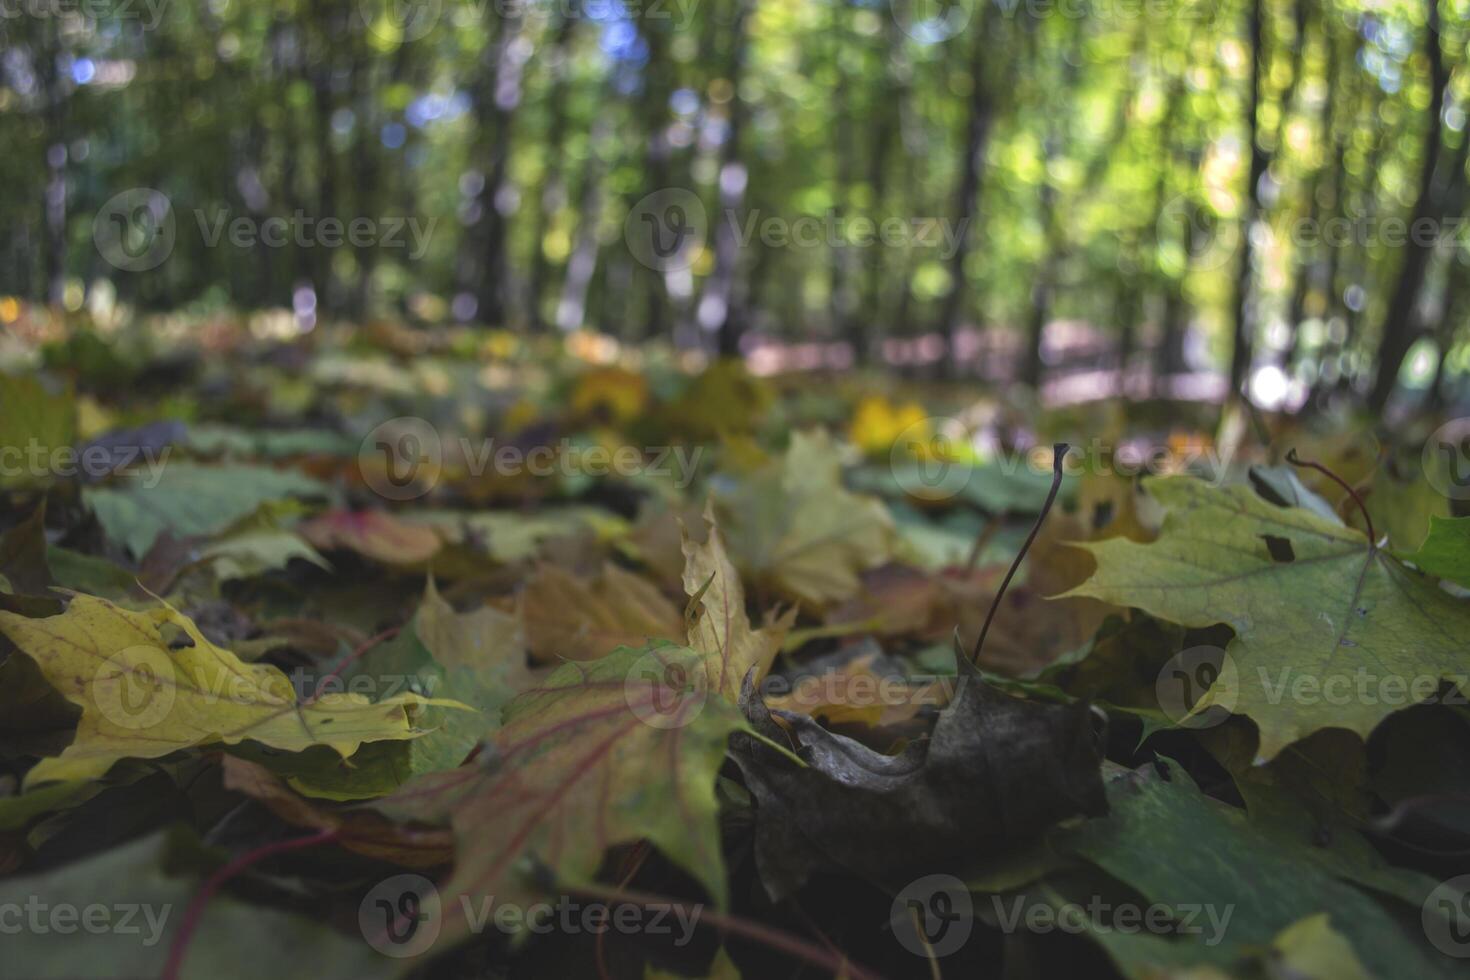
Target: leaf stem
x,y
1295,460
195,912
1058,460
776,746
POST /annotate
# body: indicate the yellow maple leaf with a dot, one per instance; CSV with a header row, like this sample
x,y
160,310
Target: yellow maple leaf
x,y
143,699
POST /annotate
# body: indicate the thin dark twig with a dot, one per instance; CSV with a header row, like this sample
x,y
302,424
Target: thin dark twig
x,y
1059,455
986,535
1295,460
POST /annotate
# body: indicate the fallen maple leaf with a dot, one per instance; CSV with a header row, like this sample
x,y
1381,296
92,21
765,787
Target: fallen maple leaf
x,y
718,624
572,618
608,752
1445,552
142,699
800,529
374,534
1311,602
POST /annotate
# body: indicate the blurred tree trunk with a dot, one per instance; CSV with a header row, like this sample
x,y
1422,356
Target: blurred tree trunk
x,y
497,95
571,308
654,109
319,70
842,302
1453,317
53,204
1351,206
892,96
1306,259
1400,328
553,184
978,121
1244,323
1043,286
719,310
1169,355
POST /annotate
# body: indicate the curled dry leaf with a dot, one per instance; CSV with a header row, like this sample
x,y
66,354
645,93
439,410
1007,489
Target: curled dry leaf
x,y
994,771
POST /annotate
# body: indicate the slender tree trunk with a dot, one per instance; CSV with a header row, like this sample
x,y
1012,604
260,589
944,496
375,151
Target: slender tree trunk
x,y
1399,329
654,105
53,210
1307,269
497,99
1240,358
553,185
892,97
718,311
1455,314
571,309
967,193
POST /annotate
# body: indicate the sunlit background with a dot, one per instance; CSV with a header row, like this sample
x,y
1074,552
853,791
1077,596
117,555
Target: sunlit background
x,y
1089,196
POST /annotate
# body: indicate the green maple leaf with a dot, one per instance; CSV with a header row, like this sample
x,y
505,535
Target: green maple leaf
x,y
1331,631
608,752
1446,550
1248,884
190,499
